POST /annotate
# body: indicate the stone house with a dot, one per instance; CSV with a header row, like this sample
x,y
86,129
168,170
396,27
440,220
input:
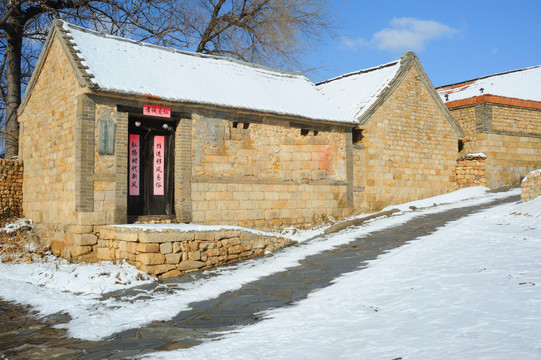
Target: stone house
x,y
115,131
405,147
501,117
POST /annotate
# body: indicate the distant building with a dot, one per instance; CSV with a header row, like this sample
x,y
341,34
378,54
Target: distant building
x,y
501,117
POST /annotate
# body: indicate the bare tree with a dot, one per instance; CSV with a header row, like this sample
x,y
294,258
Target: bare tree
x,y
271,32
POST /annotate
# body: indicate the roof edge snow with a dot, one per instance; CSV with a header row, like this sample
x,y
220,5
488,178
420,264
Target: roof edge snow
x,y
86,77
66,25
358,72
466,82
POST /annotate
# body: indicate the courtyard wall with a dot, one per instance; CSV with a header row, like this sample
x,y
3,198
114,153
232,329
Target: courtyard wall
x,y
11,183
531,186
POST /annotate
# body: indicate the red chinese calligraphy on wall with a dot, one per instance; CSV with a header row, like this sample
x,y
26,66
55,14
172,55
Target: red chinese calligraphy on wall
x,y
134,169
154,110
159,157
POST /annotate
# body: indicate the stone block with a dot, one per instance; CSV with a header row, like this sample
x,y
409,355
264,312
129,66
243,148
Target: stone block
x,y
191,265
226,234
166,248
205,236
237,249
80,229
127,236
121,246
248,236
107,234
151,258
76,250
147,248
105,254
161,237
84,239
170,274
194,255
156,269
173,258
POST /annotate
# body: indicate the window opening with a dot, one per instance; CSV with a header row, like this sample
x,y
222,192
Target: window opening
x,y
460,145
357,136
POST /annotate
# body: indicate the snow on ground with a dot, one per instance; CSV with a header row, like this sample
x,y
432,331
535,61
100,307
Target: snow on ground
x,y
76,289
20,223
471,290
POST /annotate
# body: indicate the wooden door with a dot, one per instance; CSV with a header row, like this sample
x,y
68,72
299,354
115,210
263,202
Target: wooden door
x,y
150,167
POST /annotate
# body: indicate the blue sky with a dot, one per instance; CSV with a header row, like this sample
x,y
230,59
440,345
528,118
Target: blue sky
x,y
455,40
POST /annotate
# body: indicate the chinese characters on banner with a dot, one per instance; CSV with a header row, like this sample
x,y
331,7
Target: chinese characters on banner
x,y
159,156
154,110
134,165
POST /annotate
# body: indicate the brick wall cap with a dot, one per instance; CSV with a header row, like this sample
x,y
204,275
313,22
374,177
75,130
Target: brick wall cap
x,y
532,174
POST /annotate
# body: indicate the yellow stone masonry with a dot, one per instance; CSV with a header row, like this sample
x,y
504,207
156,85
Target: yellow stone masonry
x,y
11,183
171,252
267,175
47,145
509,158
513,119
471,171
410,149
510,137
531,186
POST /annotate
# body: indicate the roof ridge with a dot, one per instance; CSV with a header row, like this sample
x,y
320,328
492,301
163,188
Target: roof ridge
x,y
487,76
66,25
358,72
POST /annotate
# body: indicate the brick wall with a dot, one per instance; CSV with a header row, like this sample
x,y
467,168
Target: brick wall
x,y
171,252
470,171
52,158
514,119
410,148
531,186
11,183
509,135
266,174
509,158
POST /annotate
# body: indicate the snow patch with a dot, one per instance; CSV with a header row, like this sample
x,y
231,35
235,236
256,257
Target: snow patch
x,y
468,291
77,289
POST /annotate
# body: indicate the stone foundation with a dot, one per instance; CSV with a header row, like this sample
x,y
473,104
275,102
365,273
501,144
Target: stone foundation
x,y
11,187
172,252
531,186
471,170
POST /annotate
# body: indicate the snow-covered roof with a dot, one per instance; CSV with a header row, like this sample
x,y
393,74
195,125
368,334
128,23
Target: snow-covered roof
x,y
124,66
357,91
524,84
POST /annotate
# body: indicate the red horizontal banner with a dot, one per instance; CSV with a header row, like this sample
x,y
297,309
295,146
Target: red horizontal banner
x,y
155,110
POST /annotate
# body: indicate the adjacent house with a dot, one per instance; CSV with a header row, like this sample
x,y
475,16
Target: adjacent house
x,y
501,117
405,146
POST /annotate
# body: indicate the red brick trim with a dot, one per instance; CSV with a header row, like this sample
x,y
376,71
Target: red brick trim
x,y
495,100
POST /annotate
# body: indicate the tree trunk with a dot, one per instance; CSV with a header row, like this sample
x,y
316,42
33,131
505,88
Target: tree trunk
x,y
13,84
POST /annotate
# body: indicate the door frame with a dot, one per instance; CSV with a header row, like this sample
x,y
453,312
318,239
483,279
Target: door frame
x,y
153,127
